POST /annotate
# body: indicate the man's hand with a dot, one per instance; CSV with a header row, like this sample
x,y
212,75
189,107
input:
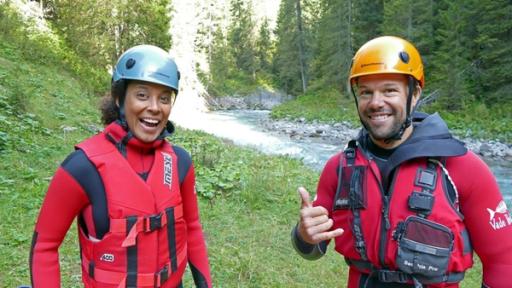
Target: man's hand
x,y
314,223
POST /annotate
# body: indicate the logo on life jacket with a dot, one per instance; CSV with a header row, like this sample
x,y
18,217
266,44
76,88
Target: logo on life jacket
x,y
167,169
107,257
499,217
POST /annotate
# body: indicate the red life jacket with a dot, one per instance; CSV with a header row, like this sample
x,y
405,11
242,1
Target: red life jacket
x,y
413,234
146,245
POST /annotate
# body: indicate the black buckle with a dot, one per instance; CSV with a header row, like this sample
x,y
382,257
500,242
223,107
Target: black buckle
x,y
350,153
155,222
426,178
421,202
161,277
388,276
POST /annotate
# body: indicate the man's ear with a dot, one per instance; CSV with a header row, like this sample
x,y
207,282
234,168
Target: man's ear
x,y
416,95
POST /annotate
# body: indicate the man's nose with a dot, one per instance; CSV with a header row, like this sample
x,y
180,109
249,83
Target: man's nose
x,y
376,99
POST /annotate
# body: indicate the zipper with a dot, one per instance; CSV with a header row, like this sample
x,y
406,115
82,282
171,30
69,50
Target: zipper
x,y
386,223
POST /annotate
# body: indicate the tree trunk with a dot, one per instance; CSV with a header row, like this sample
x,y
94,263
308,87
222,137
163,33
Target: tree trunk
x,y
302,60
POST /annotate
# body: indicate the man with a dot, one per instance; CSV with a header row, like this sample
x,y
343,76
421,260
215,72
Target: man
x,y
405,202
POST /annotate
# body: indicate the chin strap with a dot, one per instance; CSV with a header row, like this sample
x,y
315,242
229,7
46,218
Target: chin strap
x,y
408,116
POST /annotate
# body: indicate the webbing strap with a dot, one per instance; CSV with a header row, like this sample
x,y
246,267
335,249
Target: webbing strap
x,y
143,224
131,257
350,156
171,238
397,276
143,279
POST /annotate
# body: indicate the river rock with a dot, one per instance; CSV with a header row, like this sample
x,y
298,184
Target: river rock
x,y
341,132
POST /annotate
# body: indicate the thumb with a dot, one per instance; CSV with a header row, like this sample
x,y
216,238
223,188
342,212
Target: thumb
x,y
304,196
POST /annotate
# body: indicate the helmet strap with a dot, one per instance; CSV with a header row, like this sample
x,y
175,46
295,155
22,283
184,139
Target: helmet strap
x,y
357,105
408,114
119,90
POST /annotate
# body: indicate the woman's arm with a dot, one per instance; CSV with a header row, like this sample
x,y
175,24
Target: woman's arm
x,y
63,201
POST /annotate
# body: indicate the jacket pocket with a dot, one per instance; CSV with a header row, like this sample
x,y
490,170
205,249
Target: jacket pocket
x,y
424,247
351,189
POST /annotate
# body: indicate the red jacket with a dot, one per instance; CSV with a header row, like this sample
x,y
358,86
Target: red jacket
x,y
484,213
137,213
414,227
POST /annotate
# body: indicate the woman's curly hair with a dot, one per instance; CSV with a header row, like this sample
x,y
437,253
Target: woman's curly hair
x,y
108,106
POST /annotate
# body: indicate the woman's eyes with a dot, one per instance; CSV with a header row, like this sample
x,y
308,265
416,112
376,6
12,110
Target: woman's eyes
x,y
165,99
142,95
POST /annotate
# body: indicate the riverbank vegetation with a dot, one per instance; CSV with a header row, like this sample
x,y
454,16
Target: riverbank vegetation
x,y
248,201
466,48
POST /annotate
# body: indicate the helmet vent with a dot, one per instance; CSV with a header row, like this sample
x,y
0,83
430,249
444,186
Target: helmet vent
x,y
130,63
404,56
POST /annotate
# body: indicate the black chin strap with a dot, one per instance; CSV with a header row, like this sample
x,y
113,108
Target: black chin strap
x,y
408,114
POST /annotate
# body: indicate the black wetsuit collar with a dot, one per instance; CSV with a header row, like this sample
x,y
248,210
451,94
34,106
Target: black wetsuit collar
x,y
430,138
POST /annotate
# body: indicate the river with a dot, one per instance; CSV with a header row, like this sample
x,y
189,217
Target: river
x,y
244,128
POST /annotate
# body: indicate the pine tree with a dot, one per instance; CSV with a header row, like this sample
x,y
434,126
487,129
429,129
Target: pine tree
x,y
264,47
494,42
291,59
240,37
333,50
452,61
414,20
366,21
221,65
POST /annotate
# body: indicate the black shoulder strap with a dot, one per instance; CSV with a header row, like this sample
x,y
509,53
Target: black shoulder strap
x,y
184,162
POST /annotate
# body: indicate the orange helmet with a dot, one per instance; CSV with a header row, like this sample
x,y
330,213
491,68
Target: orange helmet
x,y
387,54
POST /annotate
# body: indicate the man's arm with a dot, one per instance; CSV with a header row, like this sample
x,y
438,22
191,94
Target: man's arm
x,y
312,234
486,217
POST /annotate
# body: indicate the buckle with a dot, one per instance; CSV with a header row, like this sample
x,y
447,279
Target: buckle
x,y
350,152
388,276
153,222
162,276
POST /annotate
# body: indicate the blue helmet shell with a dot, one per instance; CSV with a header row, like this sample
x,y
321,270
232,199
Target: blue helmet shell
x,y
147,63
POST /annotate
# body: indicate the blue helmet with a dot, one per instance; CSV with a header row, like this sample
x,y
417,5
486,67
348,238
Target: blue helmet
x,y
147,63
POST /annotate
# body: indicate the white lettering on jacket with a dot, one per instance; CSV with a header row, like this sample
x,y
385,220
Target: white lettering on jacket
x,y
499,218
167,169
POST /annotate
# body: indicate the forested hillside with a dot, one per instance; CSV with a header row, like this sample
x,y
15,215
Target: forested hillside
x,y
466,48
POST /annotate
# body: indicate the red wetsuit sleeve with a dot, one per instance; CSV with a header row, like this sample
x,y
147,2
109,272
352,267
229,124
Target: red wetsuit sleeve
x,y
64,200
488,222
197,253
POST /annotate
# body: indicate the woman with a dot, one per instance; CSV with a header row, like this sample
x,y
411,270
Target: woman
x,y
132,191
